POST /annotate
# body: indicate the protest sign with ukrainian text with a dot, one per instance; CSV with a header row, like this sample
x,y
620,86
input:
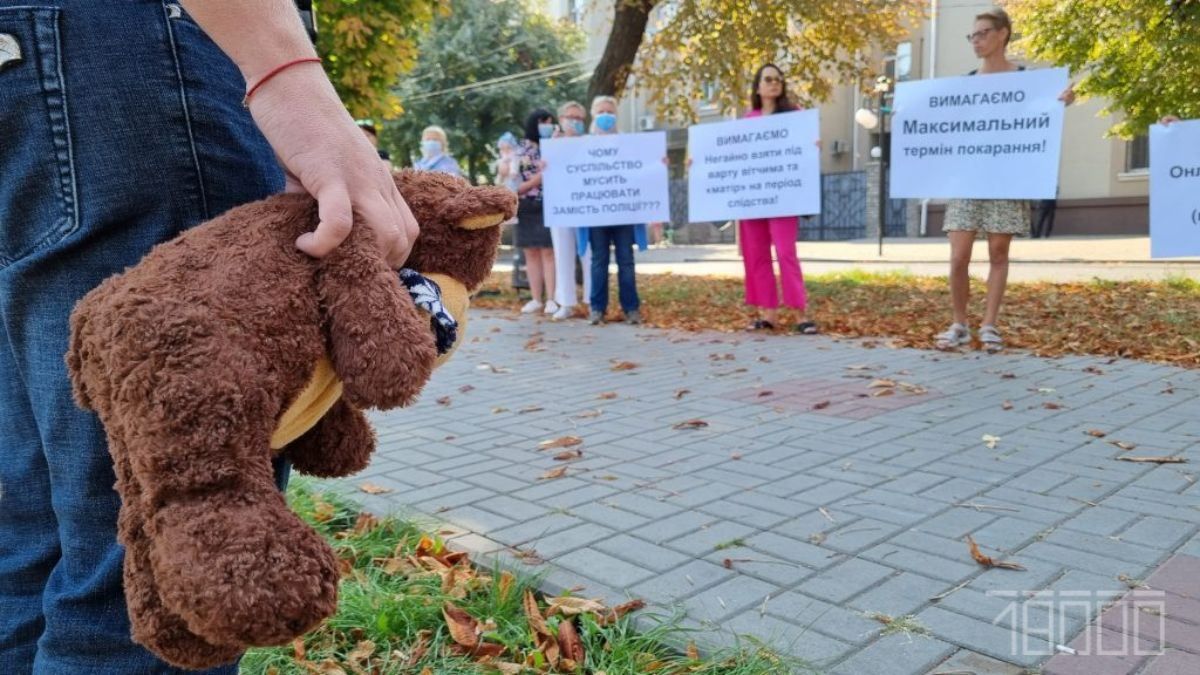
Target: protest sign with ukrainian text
x,y
615,179
996,136
760,167
1175,190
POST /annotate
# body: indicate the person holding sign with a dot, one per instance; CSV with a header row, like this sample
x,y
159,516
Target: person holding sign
x,y
756,235
999,219
531,234
620,237
572,117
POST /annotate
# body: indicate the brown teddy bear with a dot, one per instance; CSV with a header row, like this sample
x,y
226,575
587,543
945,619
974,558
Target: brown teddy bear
x,y
223,348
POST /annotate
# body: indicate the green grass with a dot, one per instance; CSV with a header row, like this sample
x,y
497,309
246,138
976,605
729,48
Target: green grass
x,y
394,611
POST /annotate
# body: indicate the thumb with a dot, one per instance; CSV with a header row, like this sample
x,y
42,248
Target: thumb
x,y
336,219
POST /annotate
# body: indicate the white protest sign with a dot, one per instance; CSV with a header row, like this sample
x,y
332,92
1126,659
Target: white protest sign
x,y
760,167
614,179
1175,190
996,136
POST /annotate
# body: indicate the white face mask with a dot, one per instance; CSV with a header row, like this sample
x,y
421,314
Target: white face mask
x,y
431,148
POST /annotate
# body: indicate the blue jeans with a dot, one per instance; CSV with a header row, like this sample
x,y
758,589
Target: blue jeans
x,y
621,238
120,126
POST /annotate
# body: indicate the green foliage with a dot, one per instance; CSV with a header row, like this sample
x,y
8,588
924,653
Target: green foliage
x,y
1142,55
367,45
460,57
817,43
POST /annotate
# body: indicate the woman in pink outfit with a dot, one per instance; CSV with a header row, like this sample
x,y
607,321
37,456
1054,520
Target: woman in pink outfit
x,y
769,96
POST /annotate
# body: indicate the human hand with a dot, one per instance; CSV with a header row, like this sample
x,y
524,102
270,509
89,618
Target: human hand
x,y
818,144
1068,95
1168,120
324,154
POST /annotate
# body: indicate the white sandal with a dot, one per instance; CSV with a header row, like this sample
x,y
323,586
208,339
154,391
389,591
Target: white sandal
x,y
954,337
991,339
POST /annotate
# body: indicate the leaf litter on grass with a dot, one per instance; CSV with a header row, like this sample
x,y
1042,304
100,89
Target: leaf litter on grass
x,y
415,605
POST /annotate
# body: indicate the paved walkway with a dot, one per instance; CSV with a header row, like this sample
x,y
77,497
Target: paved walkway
x,y
1058,259
824,481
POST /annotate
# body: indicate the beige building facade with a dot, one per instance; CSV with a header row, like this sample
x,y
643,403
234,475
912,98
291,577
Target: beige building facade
x,y
1103,182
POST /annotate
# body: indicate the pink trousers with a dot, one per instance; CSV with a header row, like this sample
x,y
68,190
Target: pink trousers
x,y
756,237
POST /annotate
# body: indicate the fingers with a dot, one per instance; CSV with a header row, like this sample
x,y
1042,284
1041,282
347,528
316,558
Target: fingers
x,y
336,218
383,219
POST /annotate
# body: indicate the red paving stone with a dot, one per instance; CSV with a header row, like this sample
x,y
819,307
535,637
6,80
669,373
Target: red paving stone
x,y
1174,663
851,399
1164,617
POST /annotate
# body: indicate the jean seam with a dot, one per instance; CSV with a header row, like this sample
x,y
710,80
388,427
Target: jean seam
x,y
187,115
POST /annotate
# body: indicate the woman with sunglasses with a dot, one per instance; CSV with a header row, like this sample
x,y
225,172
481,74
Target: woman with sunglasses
x,y
756,235
999,219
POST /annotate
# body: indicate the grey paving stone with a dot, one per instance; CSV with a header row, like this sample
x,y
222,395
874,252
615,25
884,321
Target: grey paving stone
x,y
1107,547
784,507
793,550
896,654
603,567
967,661
476,520
730,597
533,529
642,505
1072,558
899,595
723,534
983,637
642,553
682,582
1103,521
604,514
1160,533
516,509
802,642
586,534
822,617
745,514
672,527
827,493
845,579
919,562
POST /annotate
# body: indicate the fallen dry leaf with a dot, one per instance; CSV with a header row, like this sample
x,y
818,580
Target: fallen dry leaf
x,y
588,414
361,652
1008,376
613,615
691,424
680,393
546,642
607,396
573,606
989,562
1093,370
991,441
1007,405
443,400
880,383
1123,445
1173,459
623,365
364,524
569,643
466,388
498,410
530,409
882,392
735,455
372,489
765,393
1051,405
568,455
693,652
560,442
464,629
557,472
820,405
1096,432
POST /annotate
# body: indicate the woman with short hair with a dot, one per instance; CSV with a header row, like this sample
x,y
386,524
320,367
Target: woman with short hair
x,y
435,152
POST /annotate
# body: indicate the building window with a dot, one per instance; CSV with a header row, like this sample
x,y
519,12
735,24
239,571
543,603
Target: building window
x,y
1137,154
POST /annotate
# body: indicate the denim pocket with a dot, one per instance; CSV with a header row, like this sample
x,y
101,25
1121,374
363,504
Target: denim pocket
x,y
37,183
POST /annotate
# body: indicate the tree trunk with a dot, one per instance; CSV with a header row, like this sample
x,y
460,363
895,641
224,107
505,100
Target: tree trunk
x,y
629,26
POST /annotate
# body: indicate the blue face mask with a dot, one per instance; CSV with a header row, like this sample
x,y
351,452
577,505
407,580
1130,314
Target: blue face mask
x,y
545,130
606,122
431,148
577,127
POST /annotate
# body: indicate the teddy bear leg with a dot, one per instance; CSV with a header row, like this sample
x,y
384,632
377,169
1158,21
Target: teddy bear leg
x,y
381,345
153,625
228,555
339,445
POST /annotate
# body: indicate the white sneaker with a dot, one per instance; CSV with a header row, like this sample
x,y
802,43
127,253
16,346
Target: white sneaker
x,y
552,307
531,307
563,313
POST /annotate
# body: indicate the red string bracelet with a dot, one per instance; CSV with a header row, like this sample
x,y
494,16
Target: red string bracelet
x,y
273,73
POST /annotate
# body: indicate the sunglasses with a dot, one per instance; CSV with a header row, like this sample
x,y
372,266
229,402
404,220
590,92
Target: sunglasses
x,y
771,79
979,34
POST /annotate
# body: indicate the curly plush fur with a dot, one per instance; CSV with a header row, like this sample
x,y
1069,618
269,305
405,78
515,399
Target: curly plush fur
x,y
191,356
